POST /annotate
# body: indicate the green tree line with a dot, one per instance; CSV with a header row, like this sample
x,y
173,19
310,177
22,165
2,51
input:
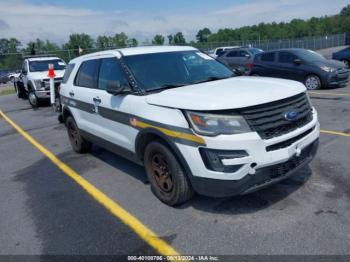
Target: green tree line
x,y
77,43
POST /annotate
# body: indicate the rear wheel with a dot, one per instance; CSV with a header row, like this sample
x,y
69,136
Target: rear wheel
x,y
312,82
165,174
79,144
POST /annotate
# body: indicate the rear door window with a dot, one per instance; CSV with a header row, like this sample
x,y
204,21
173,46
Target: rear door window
x,y
268,57
219,50
87,74
232,54
286,57
242,53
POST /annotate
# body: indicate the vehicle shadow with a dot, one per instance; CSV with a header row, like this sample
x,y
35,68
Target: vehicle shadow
x,y
251,203
134,170
236,205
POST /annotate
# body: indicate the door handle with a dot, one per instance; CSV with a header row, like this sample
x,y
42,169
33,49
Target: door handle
x,y
71,93
97,100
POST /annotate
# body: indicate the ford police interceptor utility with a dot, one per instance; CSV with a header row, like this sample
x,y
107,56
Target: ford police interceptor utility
x,y
192,124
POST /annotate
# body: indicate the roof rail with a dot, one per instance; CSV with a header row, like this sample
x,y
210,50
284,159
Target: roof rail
x,y
37,56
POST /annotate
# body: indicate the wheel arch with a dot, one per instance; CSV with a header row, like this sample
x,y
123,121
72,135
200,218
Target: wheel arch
x,y
147,135
66,112
30,86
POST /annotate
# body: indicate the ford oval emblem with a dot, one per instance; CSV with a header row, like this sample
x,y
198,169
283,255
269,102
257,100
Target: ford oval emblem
x,y
291,115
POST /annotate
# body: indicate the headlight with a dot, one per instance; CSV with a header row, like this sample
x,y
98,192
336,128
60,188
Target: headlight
x,y
328,69
212,125
38,84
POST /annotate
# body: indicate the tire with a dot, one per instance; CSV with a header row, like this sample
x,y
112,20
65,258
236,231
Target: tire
x,y
19,90
312,82
33,99
166,176
346,62
78,143
58,106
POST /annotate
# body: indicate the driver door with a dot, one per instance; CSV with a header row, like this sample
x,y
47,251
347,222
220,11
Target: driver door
x,y
24,73
113,118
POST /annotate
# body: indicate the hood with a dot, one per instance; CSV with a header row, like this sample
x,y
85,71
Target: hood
x,y
237,92
330,63
43,75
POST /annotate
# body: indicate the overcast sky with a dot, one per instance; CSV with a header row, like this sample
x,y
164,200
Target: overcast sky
x,y
55,20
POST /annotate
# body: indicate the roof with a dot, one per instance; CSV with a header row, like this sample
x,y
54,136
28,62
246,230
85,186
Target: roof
x,y
228,47
45,58
137,51
285,49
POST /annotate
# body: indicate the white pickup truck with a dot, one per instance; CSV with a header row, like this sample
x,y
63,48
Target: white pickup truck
x,y
33,81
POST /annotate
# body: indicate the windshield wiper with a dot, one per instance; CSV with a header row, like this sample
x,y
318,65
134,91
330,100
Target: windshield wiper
x,y
211,78
166,86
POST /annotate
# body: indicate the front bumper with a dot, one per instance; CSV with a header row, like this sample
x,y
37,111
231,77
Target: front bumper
x,y
42,94
337,79
263,157
263,177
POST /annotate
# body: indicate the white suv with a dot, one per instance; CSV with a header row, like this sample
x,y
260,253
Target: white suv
x,y
33,80
192,124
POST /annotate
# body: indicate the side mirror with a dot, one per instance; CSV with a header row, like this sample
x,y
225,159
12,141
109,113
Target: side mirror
x,y
297,61
116,88
24,72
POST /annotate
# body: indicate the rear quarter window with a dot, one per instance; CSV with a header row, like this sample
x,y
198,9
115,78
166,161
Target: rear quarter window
x,y
67,73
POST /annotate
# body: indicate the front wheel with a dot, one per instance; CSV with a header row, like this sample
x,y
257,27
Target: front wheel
x,y
165,174
312,82
33,99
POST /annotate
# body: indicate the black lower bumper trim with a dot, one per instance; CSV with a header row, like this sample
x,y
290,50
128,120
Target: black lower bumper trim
x,y
262,178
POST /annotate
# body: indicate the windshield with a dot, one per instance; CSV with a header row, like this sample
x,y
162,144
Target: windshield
x,y
309,55
38,66
255,51
173,69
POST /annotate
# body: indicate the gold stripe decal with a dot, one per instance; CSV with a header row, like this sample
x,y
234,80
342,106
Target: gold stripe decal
x,y
176,134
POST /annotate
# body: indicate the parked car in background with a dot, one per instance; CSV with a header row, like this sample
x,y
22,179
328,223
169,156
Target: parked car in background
x,y
239,58
302,65
343,55
4,78
33,80
14,75
218,50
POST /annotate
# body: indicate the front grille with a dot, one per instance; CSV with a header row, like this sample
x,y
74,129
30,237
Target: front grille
x,y
268,120
284,168
342,71
288,142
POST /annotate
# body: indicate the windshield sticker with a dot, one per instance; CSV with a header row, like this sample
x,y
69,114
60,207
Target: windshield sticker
x,y
61,64
204,56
